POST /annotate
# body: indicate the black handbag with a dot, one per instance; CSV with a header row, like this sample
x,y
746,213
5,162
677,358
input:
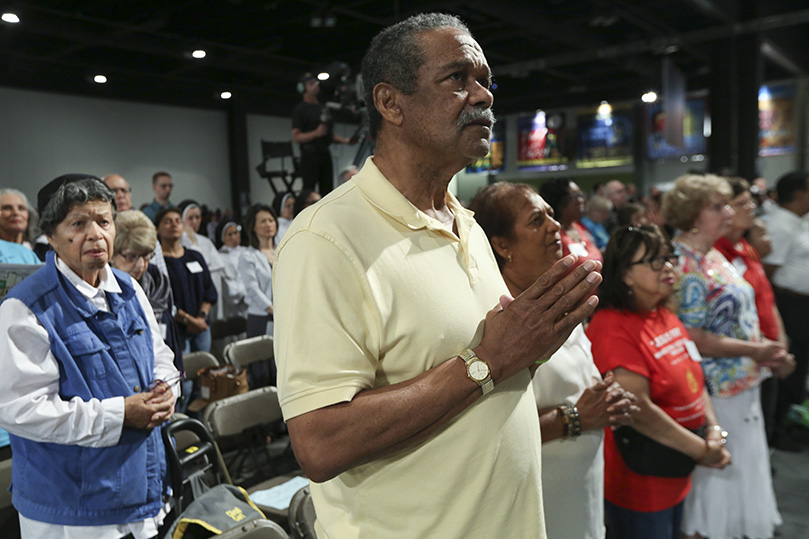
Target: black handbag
x,y
645,456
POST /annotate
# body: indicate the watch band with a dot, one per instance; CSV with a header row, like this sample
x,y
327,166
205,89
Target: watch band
x,y
469,357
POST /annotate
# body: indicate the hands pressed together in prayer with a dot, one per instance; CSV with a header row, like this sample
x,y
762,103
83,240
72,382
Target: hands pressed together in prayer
x,y
149,409
606,404
536,323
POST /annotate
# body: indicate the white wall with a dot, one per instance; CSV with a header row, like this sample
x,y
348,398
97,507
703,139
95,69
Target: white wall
x,y
44,135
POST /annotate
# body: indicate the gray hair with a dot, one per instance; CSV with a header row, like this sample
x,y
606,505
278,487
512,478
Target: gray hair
x,y
73,194
133,230
395,57
8,191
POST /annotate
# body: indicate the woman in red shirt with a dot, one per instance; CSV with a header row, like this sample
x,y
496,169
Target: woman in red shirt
x,y
567,201
648,350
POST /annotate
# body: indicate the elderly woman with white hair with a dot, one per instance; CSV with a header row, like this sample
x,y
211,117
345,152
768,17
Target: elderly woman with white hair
x,y
86,380
14,217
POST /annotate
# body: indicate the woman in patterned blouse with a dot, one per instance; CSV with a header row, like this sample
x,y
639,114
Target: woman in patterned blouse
x,y
717,306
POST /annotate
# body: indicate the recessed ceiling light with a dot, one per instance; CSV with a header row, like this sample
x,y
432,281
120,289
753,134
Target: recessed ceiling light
x,y
100,79
10,18
323,76
226,95
199,53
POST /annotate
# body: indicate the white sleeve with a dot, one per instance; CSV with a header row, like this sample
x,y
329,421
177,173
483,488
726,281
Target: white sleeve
x,y
30,405
781,236
254,296
164,368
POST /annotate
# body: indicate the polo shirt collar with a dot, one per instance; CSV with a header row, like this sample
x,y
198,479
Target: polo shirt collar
x,y
384,195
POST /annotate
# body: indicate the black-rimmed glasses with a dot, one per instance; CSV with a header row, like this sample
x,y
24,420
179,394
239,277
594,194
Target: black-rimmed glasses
x,y
180,375
133,257
657,262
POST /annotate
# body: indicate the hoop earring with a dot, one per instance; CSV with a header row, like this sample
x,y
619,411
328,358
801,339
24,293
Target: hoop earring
x,y
694,230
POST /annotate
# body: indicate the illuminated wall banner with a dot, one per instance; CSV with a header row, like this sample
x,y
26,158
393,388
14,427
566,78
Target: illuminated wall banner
x,y
776,119
604,140
693,131
541,142
495,159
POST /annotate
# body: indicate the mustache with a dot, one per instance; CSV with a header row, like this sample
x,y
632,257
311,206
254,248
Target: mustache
x,y
475,115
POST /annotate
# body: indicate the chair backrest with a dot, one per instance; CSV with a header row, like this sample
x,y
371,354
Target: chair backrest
x,y
188,462
247,351
194,361
302,515
233,415
226,327
256,529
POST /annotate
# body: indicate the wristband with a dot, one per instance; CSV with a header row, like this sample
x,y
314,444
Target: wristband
x,y
571,421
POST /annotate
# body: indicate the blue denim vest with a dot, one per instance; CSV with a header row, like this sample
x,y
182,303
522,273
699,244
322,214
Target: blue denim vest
x,y
100,355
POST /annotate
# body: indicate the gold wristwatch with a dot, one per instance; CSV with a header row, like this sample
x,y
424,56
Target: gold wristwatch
x,y
477,370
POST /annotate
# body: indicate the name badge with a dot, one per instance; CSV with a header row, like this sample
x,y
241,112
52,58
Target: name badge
x,y
578,249
194,267
691,348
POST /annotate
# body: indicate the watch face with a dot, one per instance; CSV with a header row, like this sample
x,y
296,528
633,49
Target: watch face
x,y
478,370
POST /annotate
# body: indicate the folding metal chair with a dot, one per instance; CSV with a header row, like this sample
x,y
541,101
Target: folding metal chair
x,y
302,515
224,332
242,423
281,151
194,361
194,465
247,352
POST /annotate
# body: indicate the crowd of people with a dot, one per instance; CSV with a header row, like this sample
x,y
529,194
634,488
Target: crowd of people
x,y
542,364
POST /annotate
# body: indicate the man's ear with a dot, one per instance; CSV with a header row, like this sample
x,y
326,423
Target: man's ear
x,y
386,101
501,246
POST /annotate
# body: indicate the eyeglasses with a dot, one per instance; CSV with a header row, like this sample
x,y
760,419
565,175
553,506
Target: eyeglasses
x,y
122,190
657,262
133,257
170,380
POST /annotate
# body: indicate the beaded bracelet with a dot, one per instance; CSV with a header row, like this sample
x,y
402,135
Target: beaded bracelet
x,y
571,421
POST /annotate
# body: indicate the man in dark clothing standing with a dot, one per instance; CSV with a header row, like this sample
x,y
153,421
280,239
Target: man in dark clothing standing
x,y
313,130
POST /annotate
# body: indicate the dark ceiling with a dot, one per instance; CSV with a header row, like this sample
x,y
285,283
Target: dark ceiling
x,y
544,53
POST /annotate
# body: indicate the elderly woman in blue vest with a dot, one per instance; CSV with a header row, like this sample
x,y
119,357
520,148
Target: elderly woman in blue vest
x,y
86,379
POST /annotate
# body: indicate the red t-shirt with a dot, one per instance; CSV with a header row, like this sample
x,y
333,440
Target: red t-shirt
x,y
653,345
585,250
747,261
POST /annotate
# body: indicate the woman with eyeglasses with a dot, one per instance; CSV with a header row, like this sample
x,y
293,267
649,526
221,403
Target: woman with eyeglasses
x,y
135,242
718,308
567,200
637,338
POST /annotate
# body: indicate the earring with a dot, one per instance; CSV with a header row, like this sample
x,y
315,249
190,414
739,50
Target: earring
x,y
695,230
630,292
509,258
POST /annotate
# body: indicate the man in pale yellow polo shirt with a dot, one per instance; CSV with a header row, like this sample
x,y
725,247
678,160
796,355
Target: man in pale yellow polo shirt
x,y
403,367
